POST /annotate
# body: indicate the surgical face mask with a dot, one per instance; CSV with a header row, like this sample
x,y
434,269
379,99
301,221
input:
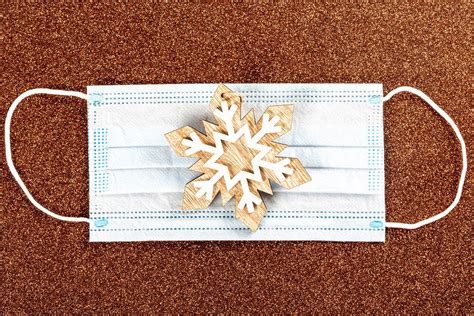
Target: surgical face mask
x,y
136,182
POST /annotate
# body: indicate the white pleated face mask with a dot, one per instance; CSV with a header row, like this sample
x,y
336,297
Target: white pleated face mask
x,y
136,182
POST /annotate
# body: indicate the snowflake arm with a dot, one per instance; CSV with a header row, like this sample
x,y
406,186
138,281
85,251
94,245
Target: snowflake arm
x,y
227,115
268,127
207,187
196,145
280,168
248,198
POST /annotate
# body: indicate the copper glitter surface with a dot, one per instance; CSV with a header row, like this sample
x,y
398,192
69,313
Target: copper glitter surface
x,y
49,266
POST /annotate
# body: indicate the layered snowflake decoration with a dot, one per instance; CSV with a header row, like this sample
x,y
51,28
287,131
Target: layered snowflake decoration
x,y
238,157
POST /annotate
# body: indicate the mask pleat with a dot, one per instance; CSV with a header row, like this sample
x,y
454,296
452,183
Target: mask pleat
x,y
310,157
151,180
283,202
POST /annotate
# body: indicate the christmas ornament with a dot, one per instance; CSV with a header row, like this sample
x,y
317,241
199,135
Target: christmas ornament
x,y
238,157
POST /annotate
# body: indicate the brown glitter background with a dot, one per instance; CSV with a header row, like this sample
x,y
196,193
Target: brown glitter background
x,y
49,266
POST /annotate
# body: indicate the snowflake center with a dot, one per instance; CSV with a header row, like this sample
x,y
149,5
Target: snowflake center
x,y
237,156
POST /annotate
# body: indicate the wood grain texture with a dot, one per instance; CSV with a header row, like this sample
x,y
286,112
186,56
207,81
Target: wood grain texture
x,y
48,266
237,156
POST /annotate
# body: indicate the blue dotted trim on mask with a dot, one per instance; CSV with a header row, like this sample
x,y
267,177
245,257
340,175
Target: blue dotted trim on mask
x,y
246,92
98,139
307,95
375,158
375,143
375,123
184,101
231,216
273,96
293,96
235,228
99,160
232,211
376,180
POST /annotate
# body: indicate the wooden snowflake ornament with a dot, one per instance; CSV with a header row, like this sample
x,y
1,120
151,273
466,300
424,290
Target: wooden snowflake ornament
x,y
237,157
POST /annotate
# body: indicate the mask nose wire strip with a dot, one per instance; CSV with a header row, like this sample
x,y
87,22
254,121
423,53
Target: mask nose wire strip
x,y
464,158
8,151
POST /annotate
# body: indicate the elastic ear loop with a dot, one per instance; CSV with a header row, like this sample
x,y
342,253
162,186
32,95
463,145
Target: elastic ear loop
x,y
464,159
9,152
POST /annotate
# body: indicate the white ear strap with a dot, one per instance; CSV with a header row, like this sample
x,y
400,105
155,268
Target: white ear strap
x,y
464,159
8,151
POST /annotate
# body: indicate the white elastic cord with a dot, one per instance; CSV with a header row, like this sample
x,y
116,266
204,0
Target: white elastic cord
x,y
464,159
9,152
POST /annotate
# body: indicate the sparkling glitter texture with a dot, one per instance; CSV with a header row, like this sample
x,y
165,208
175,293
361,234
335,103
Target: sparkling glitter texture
x,y
49,265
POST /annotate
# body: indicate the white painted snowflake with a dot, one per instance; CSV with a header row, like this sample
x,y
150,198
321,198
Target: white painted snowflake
x,y
238,157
